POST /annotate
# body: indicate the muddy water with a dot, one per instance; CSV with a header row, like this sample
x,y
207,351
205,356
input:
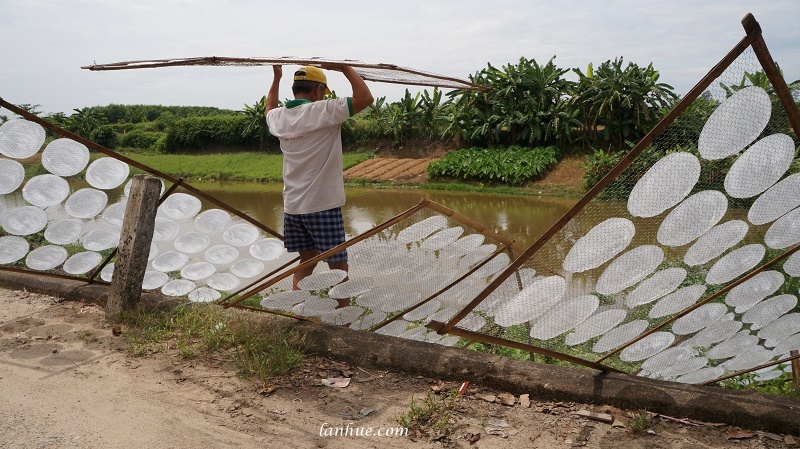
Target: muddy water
x,y
521,218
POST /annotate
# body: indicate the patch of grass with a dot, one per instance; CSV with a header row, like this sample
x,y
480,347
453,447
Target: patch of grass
x,y
781,386
259,347
258,167
434,413
641,422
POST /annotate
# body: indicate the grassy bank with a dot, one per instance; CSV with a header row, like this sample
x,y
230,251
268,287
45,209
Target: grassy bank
x,y
257,167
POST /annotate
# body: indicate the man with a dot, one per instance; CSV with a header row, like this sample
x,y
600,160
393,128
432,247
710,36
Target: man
x,y
309,129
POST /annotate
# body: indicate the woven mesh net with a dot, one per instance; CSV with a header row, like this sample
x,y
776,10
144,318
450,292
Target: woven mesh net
x,y
386,73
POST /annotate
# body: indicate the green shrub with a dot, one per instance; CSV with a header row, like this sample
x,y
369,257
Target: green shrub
x,y
200,132
105,135
512,165
141,140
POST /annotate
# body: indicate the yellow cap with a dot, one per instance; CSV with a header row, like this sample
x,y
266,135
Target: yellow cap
x,y
311,73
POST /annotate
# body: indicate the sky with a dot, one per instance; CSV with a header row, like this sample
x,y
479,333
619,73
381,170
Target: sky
x,y
44,43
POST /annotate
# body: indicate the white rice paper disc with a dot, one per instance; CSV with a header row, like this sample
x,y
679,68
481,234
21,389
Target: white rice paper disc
x,y
463,245
737,344
221,255
600,245
448,341
376,297
791,343
677,301
196,271
394,328
107,173
225,282
86,203
750,359
767,311
716,241
12,249
180,206
664,185
647,346
472,322
442,239
154,279
422,229
45,190
666,358
178,287
715,333
20,138
596,325
285,300
766,374
781,328
13,175
564,316
107,272
65,157
681,368
443,316
240,234
315,306
785,232
658,285
204,294
532,302
699,318
342,316
702,375
24,220
792,265
247,268
692,218
761,166
497,264
169,261
477,255
100,239
423,311
267,249
620,335
212,221
776,201
64,232
735,264
415,333
46,257
81,263
114,215
400,301
325,279
629,268
192,242
368,320
166,230
735,124
351,288
754,290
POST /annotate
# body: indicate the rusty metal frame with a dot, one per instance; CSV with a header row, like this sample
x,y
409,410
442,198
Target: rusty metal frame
x,y
791,359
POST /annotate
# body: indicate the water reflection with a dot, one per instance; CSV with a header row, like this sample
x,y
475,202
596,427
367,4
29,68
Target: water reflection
x,y
521,218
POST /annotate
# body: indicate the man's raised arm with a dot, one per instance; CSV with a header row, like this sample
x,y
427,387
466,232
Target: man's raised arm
x,y
272,95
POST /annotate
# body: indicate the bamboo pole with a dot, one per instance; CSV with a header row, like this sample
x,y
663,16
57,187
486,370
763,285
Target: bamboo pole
x,y
257,281
716,295
481,229
687,100
795,368
44,273
463,333
324,255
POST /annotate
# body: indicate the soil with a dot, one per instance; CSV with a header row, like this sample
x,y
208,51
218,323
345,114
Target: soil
x,y
405,167
68,381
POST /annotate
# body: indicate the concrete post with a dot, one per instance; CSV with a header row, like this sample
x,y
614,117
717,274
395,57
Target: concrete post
x,y
134,245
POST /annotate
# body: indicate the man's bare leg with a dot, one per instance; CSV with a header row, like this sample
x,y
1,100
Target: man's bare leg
x,y
298,276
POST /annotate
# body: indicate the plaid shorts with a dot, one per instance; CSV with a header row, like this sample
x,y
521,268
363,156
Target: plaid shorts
x,y
319,230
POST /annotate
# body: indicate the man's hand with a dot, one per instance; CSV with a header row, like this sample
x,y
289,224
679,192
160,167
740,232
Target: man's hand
x,y
277,71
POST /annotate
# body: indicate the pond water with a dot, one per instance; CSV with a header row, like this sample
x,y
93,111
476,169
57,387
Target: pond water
x,y
516,217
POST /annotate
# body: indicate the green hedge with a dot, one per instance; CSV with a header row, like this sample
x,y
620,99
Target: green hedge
x,y
196,133
512,165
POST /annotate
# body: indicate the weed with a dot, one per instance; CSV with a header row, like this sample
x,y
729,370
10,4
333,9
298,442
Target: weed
x,y
641,422
435,413
86,336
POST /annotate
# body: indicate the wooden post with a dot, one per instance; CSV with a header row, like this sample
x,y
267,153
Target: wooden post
x,y
795,369
134,245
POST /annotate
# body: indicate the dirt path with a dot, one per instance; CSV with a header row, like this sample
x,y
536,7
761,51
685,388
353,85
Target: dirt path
x,y
67,382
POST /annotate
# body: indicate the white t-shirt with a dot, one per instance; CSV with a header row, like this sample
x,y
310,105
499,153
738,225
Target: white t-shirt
x,y
310,135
